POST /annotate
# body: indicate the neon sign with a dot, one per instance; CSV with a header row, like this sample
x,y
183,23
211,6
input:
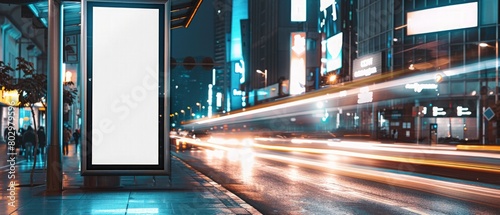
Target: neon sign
x,y
463,111
367,66
437,111
365,95
419,87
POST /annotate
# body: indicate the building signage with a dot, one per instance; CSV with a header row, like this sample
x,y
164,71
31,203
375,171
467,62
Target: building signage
x,y
365,95
298,63
419,87
489,113
437,111
125,48
330,27
367,66
463,111
442,18
299,11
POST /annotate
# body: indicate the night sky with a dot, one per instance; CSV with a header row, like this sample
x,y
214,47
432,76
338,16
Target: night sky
x,y
198,39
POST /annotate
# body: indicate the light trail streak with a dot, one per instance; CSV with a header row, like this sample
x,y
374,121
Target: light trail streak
x,y
438,150
312,98
461,165
482,195
448,164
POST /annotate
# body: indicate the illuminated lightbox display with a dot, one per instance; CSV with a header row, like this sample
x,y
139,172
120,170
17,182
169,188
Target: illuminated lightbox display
x,y
298,63
365,95
442,18
334,52
330,27
419,87
125,64
299,11
367,66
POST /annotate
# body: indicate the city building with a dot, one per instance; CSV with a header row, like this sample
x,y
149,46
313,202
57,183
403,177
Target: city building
x,y
415,38
22,35
189,91
410,68
271,49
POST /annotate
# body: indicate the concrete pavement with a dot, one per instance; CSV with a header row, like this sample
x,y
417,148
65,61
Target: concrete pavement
x,y
186,191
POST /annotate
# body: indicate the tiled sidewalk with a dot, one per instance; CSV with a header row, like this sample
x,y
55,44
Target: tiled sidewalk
x,y
185,192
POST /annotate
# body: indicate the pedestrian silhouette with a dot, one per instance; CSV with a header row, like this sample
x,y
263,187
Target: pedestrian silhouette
x,y
42,140
76,138
30,139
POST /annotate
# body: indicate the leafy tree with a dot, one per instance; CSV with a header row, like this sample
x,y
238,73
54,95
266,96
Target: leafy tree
x,y
5,76
32,89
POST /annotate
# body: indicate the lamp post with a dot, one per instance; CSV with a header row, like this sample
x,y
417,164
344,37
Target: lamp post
x,y
199,108
190,111
482,95
183,115
485,89
264,74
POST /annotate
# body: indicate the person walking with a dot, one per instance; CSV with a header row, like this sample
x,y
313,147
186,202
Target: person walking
x,y
20,142
6,135
30,139
76,138
42,140
66,139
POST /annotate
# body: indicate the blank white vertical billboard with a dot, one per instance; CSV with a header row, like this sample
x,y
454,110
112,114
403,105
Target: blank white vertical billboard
x,y
442,18
299,11
125,79
125,66
298,63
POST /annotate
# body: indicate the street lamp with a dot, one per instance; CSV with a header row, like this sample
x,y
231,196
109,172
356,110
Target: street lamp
x,y
483,93
199,107
480,46
332,79
183,114
264,74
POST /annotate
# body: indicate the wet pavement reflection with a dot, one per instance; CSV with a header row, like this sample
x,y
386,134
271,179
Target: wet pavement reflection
x,y
186,191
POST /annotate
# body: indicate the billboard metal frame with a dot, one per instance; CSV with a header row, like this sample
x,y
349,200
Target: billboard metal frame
x,y
163,165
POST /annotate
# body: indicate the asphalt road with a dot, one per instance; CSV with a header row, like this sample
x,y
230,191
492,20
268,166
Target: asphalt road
x,y
296,182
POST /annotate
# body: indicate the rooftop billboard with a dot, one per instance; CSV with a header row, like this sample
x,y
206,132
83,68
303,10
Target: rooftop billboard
x,y
442,18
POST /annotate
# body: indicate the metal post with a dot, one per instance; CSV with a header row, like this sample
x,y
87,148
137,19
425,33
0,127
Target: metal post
x,y
265,76
497,140
482,97
418,127
54,97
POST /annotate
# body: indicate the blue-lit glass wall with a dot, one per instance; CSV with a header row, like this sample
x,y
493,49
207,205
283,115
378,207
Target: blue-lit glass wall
x,y
239,12
330,25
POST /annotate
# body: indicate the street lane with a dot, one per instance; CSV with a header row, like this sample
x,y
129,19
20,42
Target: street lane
x,y
304,183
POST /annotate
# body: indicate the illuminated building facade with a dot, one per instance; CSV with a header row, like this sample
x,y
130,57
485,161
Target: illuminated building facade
x,y
450,64
254,50
407,67
18,40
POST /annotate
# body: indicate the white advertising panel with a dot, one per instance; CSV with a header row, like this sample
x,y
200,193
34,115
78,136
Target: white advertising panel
x,y
299,11
127,57
125,64
298,63
442,18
